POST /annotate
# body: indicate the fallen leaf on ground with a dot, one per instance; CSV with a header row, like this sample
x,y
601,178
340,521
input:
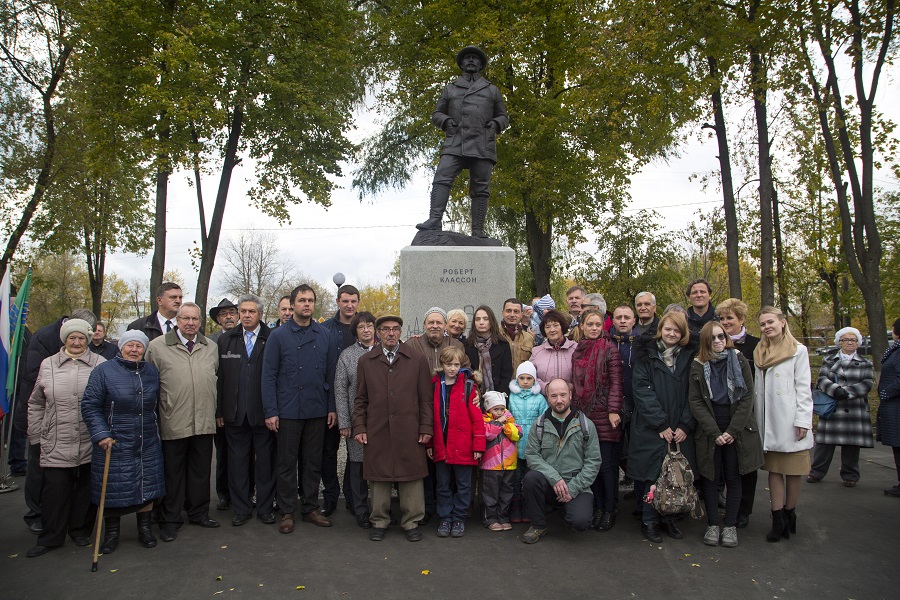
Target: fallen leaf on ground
x,y
13,555
695,564
223,547
687,554
300,587
425,572
219,592
219,578
113,570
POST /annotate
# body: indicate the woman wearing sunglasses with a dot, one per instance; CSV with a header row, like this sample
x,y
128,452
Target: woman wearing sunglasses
x,y
726,438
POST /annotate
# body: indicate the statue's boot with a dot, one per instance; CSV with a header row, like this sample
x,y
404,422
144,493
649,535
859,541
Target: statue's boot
x,y
440,195
479,213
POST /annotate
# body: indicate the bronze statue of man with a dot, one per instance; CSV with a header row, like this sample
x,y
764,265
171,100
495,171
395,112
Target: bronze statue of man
x,y
471,113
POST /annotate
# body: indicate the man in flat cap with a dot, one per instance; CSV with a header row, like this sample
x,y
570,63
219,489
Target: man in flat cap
x,y
471,113
393,419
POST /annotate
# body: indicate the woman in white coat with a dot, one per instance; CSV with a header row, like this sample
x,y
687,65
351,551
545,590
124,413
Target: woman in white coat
x,y
784,408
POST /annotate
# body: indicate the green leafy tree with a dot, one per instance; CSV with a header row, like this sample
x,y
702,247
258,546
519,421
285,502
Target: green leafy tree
x,y
853,41
287,82
635,255
36,43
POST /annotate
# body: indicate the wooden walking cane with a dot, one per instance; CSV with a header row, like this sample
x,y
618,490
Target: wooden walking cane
x,y
100,512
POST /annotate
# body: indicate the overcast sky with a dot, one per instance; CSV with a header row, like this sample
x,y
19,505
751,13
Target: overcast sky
x,y
362,239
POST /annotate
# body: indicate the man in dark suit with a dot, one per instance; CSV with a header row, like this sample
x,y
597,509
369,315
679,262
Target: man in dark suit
x,y
226,315
100,345
162,320
240,412
471,113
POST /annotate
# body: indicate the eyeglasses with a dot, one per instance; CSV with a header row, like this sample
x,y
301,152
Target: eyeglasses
x,y
718,336
390,329
849,341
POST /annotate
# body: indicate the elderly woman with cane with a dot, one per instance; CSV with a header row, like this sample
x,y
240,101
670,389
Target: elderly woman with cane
x,y
119,408
54,422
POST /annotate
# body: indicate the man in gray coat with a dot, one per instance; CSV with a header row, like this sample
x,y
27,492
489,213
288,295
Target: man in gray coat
x,y
471,113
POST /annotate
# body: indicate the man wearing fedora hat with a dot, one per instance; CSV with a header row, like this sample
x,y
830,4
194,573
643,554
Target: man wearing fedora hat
x,y
225,313
471,113
392,418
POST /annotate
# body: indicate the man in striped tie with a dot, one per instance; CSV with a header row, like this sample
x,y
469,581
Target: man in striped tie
x,y
240,413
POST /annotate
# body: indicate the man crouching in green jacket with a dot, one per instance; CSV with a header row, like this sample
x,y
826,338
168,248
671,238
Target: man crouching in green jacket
x,y
563,456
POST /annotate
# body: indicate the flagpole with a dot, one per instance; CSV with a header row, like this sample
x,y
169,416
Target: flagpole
x,y
7,484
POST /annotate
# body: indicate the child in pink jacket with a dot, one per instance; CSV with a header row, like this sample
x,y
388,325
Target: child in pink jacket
x,y
498,464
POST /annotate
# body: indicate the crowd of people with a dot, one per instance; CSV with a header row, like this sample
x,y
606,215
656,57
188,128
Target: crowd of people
x,y
506,421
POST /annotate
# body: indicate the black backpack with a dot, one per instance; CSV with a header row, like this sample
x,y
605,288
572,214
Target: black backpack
x,y
582,420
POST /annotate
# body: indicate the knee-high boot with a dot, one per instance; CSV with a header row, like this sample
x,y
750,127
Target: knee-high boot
x,y
145,534
440,195
479,213
110,535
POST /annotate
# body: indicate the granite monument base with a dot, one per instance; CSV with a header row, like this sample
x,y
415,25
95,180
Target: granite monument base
x,y
453,277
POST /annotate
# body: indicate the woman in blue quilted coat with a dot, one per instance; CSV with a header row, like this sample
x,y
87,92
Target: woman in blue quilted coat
x,y
889,409
119,407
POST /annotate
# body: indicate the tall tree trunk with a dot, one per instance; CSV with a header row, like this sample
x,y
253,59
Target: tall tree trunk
x,y
860,237
47,157
783,303
158,264
758,85
831,280
845,289
732,240
539,245
211,246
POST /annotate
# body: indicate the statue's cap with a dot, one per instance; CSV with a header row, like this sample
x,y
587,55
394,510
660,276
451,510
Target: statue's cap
x,y
472,50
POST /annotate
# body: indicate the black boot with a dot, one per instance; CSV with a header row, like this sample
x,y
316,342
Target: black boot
x,y
479,213
790,523
440,195
110,535
777,526
145,534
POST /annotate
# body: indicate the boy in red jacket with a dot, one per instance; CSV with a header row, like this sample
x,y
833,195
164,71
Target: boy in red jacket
x,y
458,440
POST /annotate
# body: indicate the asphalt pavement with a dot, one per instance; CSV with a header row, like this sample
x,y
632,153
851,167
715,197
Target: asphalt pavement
x,y
846,546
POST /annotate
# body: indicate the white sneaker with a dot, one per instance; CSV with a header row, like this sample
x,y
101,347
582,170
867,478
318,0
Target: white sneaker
x,y
711,538
729,537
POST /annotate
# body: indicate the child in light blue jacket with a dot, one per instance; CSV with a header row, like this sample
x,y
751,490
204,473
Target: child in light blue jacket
x,y
526,403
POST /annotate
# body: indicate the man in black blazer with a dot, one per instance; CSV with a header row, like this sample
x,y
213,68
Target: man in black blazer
x,y
240,412
161,321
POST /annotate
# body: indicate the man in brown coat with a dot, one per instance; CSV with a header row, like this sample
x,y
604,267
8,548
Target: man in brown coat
x,y
393,418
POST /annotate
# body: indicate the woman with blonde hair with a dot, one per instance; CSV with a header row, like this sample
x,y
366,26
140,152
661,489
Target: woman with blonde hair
x,y
732,314
456,324
661,413
784,407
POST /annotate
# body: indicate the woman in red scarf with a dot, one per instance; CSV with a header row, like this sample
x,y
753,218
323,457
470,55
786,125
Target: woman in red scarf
x,y
597,376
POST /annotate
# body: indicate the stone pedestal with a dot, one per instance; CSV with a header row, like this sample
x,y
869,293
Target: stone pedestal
x,y
453,277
